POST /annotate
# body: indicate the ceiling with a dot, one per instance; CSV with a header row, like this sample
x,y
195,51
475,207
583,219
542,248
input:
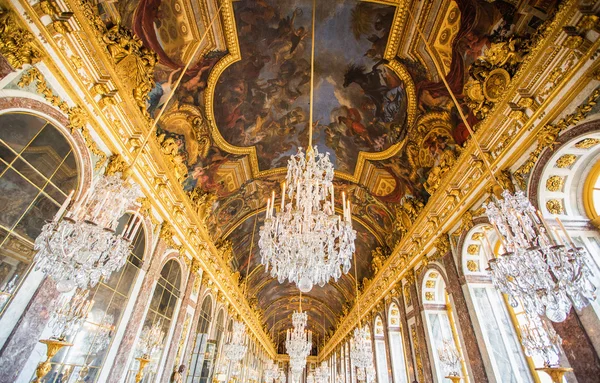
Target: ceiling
x,y
380,111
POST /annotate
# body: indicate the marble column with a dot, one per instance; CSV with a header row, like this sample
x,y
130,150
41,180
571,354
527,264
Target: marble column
x,y
578,349
471,351
405,333
386,339
5,67
189,348
152,268
27,331
422,340
177,334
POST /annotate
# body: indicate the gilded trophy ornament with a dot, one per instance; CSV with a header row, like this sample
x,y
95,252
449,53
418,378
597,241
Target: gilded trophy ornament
x,y
17,45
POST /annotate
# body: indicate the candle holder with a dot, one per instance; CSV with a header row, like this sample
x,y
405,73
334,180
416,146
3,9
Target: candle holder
x,y
454,378
52,347
556,372
144,360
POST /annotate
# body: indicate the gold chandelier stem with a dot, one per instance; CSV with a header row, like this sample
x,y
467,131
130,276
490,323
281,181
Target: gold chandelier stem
x,y
312,78
356,285
454,99
250,256
174,88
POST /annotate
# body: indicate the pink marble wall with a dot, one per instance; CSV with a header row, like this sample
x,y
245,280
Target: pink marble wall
x,y
27,332
460,310
172,352
153,267
405,333
423,351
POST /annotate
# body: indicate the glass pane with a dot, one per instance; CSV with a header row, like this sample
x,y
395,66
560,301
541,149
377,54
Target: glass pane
x,y
29,173
47,150
491,330
17,129
15,196
6,154
127,279
55,194
43,209
65,177
158,292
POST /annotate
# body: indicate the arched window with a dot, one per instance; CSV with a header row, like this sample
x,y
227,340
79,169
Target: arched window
x,y
498,338
162,308
38,169
91,344
198,358
380,351
438,316
396,346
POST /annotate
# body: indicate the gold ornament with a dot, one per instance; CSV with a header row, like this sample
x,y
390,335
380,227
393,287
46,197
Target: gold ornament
x,y
554,206
17,44
587,143
555,183
472,265
566,161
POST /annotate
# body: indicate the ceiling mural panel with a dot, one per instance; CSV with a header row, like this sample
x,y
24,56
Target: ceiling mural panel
x,y
262,100
380,110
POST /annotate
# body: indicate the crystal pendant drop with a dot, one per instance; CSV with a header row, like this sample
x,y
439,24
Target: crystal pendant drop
x,y
236,346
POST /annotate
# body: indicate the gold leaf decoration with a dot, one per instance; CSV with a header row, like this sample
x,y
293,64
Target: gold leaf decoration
x,y
472,265
587,143
554,206
473,249
17,44
555,183
566,161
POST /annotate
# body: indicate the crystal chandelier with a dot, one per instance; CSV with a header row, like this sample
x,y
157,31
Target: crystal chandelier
x,y
322,373
271,371
151,340
305,241
449,358
236,346
70,314
361,351
298,342
83,247
538,269
540,339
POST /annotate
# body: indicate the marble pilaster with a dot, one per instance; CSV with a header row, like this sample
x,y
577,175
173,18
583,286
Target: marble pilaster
x,y
172,353
405,333
473,355
153,267
578,349
27,331
5,67
420,328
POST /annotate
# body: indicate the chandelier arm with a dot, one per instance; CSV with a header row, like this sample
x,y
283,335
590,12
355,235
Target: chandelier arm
x,y
312,77
175,86
454,99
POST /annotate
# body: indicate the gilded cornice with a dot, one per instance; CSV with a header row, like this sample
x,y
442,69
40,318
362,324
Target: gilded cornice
x,y
465,183
79,60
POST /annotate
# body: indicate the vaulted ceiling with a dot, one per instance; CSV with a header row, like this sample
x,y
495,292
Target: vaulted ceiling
x,y
380,110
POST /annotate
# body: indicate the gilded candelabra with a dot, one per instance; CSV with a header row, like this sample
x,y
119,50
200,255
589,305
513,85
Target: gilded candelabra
x,y
53,346
454,378
144,360
555,372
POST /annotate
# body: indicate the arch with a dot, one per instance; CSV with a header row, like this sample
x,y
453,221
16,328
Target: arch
x,y
496,324
433,287
380,346
397,347
40,165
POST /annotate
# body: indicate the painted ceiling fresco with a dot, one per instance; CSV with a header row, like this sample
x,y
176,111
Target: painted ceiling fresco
x,y
380,109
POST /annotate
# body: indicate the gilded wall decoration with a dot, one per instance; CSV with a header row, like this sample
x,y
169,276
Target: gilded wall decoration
x,y
555,183
566,161
554,206
587,143
548,135
17,44
472,265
